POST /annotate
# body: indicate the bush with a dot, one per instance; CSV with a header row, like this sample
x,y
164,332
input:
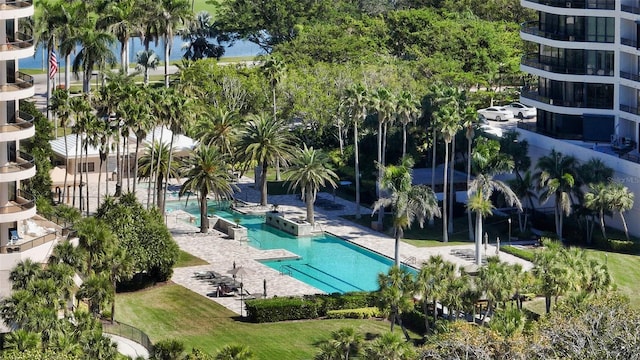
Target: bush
x,y
521,253
281,309
337,301
361,313
623,246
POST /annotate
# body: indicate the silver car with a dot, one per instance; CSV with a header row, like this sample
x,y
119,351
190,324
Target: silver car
x,y
521,111
497,113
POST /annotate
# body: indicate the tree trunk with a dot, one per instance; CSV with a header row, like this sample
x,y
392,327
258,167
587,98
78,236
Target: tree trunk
x,y
135,168
118,167
159,181
263,184
66,164
153,141
547,303
164,192
452,192
478,239
404,139
356,161
86,173
167,53
99,178
602,226
433,168
310,200
113,304
624,223
204,219
445,234
379,179
67,71
469,216
75,173
425,310
156,200
399,234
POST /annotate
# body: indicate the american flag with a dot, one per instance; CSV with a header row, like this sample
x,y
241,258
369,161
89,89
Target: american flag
x,y
53,64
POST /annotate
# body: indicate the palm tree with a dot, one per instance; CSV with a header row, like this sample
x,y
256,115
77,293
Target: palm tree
x,y
123,20
96,239
556,176
621,201
449,126
148,169
344,343
220,128
408,110
431,282
395,295
136,111
524,188
235,352
550,272
494,279
310,172
121,268
266,140
274,69
22,274
145,60
164,17
97,291
95,52
390,346
197,34
62,108
383,102
356,99
207,174
598,199
470,118
408,202
21,340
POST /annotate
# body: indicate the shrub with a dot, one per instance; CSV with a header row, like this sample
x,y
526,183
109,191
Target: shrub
x,y
361,313
521,253
281,309
623,246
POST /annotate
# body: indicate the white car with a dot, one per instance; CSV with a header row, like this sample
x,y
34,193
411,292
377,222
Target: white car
x,y
521,111
483,127
497,113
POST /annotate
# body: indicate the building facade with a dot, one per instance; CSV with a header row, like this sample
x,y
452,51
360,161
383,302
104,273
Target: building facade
x,y
585,55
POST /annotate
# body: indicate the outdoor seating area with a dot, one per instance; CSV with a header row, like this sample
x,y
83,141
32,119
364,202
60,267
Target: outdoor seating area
x,y
223,285
328,204
467,254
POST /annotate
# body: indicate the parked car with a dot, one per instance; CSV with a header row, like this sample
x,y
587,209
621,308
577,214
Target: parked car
x,y
483,126
497,113
521,111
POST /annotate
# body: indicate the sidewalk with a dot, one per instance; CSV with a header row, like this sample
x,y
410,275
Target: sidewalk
x,y
128,347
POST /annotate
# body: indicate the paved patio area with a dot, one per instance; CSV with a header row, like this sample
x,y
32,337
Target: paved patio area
x,y
221,252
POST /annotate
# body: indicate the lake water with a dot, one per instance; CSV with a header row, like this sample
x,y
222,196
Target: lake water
x,y
240,48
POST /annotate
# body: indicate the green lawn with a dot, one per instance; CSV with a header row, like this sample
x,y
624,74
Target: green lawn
x,y
185,260
173,312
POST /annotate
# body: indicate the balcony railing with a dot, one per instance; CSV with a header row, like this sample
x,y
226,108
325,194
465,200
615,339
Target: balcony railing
x,y
630,109
30,244
23,201
24,161
629,42
629,76
595,104
534,61
631,9
23,121
532,28
22,81
579,4
19,41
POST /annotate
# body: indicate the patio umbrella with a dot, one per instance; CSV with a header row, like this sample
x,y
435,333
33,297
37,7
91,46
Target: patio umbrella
x,y
264,285
240,271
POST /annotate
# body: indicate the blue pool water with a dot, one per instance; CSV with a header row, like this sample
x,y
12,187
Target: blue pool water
x,y
325,261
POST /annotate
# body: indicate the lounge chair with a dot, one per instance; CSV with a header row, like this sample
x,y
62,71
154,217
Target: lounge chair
x,y
14,236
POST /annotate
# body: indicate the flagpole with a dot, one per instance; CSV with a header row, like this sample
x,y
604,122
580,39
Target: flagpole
x,y
48,80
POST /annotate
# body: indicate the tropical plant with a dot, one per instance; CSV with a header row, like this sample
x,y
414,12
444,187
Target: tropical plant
x,y
394,295
430,284
390,346
448,124
274,69
356,99
23,273
145,60
208,175
265,141
408,202
97,291
95,52
344,343
383,102
408,111
621,201
235,352
123,19
310,172
197,34
148,169
598,199
96,239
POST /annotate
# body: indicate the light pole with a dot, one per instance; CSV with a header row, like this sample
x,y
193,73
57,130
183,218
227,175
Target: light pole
x,y
509,230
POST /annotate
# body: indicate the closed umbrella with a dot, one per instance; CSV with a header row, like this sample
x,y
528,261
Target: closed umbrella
x,y
241,271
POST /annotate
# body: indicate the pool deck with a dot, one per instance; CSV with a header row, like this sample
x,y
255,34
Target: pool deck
x,y
221,252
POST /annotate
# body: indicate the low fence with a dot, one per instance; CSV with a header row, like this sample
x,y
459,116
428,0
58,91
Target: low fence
x,y
128,332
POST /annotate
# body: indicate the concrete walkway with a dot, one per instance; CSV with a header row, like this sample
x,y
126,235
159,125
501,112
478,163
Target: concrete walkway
x,y
128,347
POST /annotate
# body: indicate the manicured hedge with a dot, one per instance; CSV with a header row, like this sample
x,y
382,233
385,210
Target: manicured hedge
x,y
308,307
623,246
362,313
281,309
521,253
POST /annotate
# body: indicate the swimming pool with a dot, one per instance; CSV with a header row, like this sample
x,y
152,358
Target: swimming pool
x,y
325,261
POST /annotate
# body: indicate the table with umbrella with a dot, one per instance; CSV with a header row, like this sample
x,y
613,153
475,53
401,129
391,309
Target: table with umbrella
x,y
240,271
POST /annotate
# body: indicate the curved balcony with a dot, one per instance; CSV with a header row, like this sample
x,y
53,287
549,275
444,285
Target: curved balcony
x,y
595,104
631,9
22,208
23,167
532,28
533,61
578,4
21,88
18,46
16,9
22,128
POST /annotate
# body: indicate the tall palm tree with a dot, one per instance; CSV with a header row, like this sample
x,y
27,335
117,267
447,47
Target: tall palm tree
x,y
408,111
598,199
356,99
274,69
96,239
310,172
207,174
164,18
220,128
556,177
469,118
147,168
138,119
121,268
80,108
621,200
449,126
145,60
431,284
197,34
524,188
408,202
383,102
61,107
123,20
95,52
495,280
550,272
266,140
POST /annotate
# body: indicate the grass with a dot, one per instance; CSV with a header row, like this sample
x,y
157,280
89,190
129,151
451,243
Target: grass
x,y
173,312
185,260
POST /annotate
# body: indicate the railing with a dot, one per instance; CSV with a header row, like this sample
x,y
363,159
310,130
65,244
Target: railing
x,y
24,161
23,201
631,9
24,80
533,128
23,121
19,41
532,28
629,42
128,332
285,270
630,76
24,246
630,109
592,104
544,63
579,4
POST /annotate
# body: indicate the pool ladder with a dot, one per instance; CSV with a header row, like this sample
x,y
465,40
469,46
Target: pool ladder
x,y
284,270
